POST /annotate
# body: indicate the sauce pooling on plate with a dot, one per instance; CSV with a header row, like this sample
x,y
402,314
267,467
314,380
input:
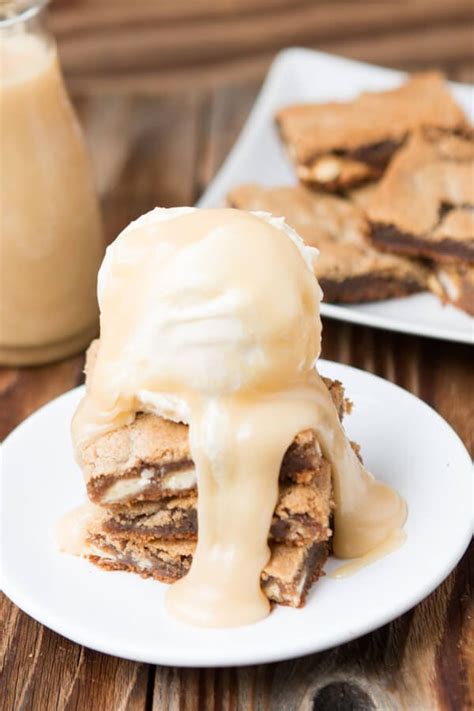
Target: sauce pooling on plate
x,y
218,312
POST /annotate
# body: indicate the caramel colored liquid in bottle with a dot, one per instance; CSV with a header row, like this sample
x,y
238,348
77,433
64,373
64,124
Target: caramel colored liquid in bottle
x,y
51,242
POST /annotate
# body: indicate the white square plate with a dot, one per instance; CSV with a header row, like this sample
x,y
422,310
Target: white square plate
x,y
302,75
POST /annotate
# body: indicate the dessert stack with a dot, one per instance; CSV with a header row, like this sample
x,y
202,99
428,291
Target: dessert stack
x,y
142,482
212,448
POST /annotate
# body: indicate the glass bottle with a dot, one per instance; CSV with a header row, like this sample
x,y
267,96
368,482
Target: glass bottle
x,y
51,241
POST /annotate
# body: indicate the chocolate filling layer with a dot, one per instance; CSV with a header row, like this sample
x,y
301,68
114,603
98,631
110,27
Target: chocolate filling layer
x,y
98,486
369,287
393,239
446,207
185,527
301,528
301,463
375,155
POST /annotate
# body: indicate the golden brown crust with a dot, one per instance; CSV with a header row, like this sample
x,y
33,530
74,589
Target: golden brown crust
x,y
147,440
337,144
424,205
348,268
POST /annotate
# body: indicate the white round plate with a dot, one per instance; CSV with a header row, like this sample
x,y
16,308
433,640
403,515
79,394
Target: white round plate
x,y
404,442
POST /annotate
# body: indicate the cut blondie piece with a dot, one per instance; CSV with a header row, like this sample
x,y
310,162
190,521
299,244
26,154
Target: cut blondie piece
x,y
454,284
349,269
286,579
301,516
424,205
150,459
337,145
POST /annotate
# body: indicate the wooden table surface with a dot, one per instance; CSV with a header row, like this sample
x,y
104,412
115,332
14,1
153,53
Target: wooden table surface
x,y
163,93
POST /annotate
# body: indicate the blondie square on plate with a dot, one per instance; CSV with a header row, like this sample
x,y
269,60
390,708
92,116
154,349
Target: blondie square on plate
x,y
424,205
349,268
337,145
153,531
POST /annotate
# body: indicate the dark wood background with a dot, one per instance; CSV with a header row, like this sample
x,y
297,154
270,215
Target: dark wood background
x,y
163,88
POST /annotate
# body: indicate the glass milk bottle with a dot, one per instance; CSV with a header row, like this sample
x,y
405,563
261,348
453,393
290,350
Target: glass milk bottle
x,y
51,241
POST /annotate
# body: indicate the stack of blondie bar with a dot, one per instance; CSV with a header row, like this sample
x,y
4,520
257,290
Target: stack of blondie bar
x,y
142,478
386,192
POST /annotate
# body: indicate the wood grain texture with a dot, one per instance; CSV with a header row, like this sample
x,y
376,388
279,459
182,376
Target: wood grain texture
x,y
150,148
24,391
156,47
42,670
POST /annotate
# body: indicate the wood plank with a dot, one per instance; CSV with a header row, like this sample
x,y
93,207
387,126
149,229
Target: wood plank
x,y
436,47
82,14
153,43
143,152
229,108
22,391
151,48
42,670
160,48
155,83
439,373
463,72
409,55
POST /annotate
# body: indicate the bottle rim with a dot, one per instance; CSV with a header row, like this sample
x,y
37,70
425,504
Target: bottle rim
x,y
13,11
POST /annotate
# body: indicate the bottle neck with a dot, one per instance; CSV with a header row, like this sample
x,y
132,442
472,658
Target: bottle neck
x,y
22,16
25,43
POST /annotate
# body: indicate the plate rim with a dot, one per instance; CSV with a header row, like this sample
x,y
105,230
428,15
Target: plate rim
x,y
28,604
339,312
